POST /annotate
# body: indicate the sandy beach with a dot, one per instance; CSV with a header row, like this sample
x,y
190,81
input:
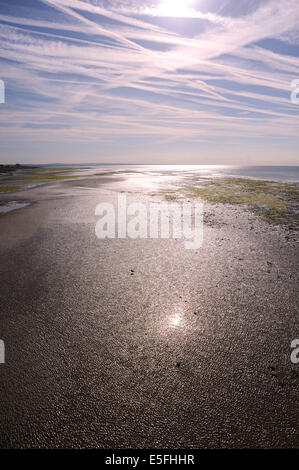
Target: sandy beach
x,y
123,343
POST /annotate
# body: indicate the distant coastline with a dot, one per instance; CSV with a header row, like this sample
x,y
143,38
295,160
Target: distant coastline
x,y
279,173
17,166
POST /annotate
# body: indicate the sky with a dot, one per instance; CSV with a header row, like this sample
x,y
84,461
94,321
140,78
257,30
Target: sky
x,y
149,81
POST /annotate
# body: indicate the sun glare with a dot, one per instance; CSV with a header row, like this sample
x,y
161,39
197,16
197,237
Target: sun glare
x,y
174,8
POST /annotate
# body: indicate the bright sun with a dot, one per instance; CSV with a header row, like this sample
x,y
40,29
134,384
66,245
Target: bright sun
x,y
174,8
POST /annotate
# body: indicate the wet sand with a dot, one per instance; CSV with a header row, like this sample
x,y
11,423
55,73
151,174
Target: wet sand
x,y
142,343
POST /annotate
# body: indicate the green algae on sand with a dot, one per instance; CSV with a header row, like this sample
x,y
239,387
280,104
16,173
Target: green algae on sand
x,y
6,189
272,201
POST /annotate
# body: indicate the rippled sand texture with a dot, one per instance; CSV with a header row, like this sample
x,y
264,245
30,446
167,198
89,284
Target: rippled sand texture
x,y
141,343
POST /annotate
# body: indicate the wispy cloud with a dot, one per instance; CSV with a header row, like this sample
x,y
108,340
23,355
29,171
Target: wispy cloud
x,y
92,71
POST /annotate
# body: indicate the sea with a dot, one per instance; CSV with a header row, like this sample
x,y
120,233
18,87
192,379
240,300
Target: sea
x,y
287,174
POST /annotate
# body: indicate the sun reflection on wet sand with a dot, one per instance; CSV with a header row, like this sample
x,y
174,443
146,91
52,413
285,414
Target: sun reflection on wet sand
x,y
176,321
